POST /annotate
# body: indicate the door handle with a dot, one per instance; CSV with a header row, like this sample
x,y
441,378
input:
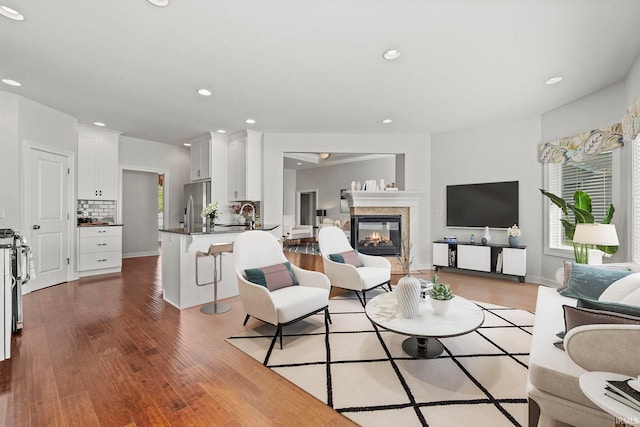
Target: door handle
x,y
36,227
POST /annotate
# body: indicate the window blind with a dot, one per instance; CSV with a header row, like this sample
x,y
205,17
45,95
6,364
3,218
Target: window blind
x,y
592,176
635,195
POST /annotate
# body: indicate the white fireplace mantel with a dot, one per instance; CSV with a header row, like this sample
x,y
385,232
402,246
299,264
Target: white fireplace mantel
x,y
384,198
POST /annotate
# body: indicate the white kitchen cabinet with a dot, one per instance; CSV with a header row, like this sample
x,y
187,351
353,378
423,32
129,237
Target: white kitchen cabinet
x,y
200,158
245,166
100,250
97,163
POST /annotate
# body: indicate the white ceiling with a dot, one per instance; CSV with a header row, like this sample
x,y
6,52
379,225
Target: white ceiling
x,y
313,66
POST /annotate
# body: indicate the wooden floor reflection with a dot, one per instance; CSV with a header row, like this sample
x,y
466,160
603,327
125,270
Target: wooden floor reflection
x,y
108,351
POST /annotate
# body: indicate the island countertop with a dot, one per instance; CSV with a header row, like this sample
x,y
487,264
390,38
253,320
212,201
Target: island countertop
x,y
220,229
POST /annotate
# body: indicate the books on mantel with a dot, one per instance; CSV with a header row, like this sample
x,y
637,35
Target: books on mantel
x,y
623,393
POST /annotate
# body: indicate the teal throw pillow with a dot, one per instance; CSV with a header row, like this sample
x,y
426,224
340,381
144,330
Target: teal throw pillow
x,y
615,307
272,277
349,257
588,282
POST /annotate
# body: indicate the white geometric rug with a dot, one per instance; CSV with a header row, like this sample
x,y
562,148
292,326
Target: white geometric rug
x,y
361,371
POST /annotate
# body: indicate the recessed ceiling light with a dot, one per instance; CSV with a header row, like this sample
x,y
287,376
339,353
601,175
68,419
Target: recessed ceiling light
x,y
387,121
159,3
99,124
391,54
11,14
186,144
553,80
204,92
324,156
221,131
11,82
299,164
250,121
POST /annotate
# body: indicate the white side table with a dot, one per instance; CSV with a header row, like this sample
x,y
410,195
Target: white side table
x,y
592,385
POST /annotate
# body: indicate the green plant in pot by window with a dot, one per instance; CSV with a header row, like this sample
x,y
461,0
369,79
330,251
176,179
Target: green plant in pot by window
x,y
582,214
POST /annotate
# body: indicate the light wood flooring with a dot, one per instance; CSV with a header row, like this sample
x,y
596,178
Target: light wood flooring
x,y
108,351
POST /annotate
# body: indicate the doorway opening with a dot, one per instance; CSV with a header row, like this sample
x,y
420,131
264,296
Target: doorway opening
x,y
307,203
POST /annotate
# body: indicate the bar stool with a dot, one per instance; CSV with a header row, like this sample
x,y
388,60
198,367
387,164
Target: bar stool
x,y
215,250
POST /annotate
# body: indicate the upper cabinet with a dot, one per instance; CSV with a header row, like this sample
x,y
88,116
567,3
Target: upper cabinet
x,y
97,163
245,170
200,158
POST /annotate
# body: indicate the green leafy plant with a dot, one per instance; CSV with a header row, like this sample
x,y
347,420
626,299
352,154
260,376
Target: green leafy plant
x,y
582,214
440,291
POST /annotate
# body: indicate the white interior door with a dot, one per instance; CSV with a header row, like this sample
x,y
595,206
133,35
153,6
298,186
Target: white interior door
x,y
49,217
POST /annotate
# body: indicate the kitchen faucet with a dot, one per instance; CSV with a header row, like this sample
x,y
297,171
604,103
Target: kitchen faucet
x,y
253,213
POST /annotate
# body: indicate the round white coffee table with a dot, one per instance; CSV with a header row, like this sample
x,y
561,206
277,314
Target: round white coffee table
x,y
462,317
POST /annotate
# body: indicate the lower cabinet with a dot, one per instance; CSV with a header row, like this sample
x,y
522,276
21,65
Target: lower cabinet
x,y
497,259
100,250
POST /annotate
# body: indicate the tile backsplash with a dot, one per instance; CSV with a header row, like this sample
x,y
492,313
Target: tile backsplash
x,y
101,209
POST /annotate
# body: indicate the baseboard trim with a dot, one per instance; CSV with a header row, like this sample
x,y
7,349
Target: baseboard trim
x,y
140,254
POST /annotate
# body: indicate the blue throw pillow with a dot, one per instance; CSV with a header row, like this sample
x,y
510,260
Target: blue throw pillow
x,y
588,282
615,307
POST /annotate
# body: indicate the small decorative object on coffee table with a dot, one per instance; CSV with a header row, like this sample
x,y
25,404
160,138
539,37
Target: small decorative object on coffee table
x,y
408,287
440,296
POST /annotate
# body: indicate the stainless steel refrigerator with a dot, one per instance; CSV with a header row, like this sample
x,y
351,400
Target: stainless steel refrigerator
x,y
196,196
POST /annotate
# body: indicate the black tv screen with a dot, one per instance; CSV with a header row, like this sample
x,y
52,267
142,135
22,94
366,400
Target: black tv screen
x,y
493,204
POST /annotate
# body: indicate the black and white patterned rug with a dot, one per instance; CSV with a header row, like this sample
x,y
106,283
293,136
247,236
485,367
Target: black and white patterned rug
x,y
309,248
361,371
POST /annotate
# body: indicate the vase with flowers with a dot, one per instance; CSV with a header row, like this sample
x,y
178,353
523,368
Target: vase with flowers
x,y
514,236
408,287
211,212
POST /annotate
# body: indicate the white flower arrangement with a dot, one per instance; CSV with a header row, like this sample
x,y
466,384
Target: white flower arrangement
x,y
212,211
513,230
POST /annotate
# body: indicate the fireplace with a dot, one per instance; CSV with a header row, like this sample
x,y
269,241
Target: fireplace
x,y
377,234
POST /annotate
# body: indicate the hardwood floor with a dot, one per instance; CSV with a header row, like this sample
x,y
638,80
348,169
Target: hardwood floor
x,y
108,351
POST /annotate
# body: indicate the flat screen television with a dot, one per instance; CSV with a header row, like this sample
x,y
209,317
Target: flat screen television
x,y
493,204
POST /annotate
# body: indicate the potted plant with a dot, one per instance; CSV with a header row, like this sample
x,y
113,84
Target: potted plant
x,y
582,214
211,212
440,295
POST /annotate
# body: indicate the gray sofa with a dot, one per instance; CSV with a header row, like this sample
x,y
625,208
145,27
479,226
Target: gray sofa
x,y
553,389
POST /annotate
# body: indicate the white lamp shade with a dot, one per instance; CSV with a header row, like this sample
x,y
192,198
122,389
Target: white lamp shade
x,y
596,234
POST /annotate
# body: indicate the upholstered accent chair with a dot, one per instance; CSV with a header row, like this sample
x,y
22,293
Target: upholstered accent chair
x,y
287,294
364,273
295,231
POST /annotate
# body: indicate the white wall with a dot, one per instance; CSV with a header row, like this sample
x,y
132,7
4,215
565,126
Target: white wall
x,y
418,160
602,108
493,153
139,213
329,180
10,178
289,197
150,156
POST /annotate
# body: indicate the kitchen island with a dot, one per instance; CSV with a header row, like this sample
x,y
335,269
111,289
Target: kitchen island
x,y
179,249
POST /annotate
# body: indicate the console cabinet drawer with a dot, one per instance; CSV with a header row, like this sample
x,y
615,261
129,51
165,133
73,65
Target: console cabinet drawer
x,y
96,231
100,244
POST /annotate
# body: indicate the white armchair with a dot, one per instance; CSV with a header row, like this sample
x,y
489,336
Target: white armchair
x,y
293,231
283,306
374,272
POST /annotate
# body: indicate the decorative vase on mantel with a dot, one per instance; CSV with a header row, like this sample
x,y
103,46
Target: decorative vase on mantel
x,y
408,296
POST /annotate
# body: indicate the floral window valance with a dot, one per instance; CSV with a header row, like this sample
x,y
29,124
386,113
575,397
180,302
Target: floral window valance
x,y
631,121
580,147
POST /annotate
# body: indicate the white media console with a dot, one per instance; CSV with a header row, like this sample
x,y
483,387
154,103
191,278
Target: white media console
x,y
491,258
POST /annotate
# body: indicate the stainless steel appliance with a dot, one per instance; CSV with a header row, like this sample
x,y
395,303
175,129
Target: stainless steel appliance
x,y
196,196
16,270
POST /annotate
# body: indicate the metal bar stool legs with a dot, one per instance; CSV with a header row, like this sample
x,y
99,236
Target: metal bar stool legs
x,y
216,251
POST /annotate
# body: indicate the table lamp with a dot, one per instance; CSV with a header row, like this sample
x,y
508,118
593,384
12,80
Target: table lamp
x,y
594,234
